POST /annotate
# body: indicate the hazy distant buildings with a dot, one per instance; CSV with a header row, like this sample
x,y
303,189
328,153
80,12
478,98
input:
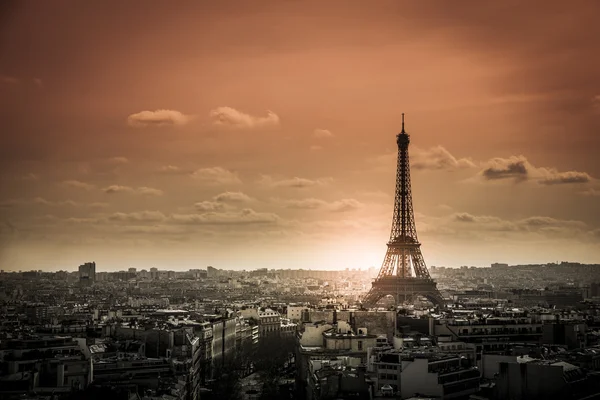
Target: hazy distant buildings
x,y
211,272
87,273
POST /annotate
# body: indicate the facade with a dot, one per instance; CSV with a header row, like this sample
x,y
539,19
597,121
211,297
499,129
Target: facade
x,y
439,376
342,337
294,313
545,379
87,273
223,341
269,323
45,364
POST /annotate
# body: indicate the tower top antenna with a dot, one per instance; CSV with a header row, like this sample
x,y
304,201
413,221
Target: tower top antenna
x,y
402,123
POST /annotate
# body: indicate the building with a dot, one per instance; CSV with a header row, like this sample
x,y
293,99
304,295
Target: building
x,y
87,273
294,313
50,364
337,379
437,375
269,323
223,341
544,379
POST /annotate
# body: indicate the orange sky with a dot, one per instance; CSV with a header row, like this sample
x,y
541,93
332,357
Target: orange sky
x,y
262,134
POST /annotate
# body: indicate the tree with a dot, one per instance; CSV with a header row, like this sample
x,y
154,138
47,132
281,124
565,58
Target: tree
x,y
272,354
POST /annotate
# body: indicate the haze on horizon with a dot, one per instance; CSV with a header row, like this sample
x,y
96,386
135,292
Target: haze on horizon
x,y
262,134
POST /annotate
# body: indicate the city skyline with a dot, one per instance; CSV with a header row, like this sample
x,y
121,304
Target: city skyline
x,y
204,135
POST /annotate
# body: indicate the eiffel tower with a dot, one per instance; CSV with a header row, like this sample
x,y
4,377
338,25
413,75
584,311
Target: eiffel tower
x,y
403,274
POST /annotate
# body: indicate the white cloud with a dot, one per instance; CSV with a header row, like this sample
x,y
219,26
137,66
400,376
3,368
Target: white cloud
x,y
434,158
293,182
322,133
519,169
313,204
551,176
158,118
529,224
31,177
515,167
128,189
235,197
232,118
78,184
596,103
438,158
207,206
118,160
9,80
169,169
216,175
49,203
591,192
149,191
245,216
142,216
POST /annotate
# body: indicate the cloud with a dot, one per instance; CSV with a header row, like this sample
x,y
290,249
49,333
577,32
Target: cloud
x,y
243,217
529,224
345,205
235,197
216,175
169,169
519,169
127,189
322,133
313,204
295,182
207,206
596,103
246,216
516,168
438,158
232,118
118,189
78,184
316,148
487,221
142,216
434,158
118,160
591,192
304,204
31,177
9,80
557,178
49,203
158,118
149,191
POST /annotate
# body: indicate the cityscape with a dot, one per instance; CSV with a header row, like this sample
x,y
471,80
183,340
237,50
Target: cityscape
x,y
335,248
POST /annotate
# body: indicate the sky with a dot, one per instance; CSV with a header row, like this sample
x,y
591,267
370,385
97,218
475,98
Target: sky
x,y
261,134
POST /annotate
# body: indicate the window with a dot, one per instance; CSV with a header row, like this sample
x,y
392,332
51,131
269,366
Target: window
x,y
360,345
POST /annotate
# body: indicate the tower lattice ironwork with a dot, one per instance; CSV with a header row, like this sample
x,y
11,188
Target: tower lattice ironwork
x,y
403,273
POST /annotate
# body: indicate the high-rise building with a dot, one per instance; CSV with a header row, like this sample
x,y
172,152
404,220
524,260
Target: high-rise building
x,y
87,273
